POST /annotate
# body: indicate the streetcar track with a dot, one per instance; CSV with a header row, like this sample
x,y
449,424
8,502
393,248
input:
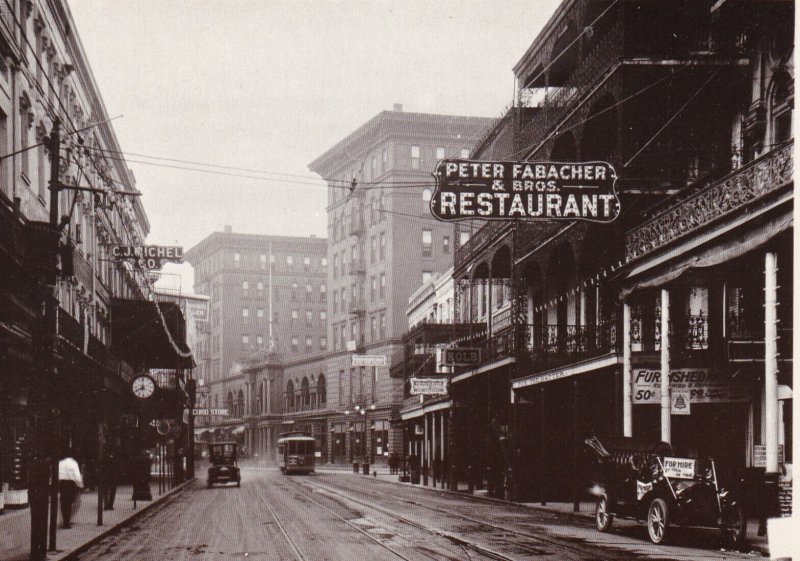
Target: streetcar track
x,y
458,540
544,540
295,549
355,527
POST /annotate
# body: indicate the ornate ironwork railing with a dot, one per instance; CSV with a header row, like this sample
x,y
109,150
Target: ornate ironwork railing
x,y
606,52
480,239
556,345
754,181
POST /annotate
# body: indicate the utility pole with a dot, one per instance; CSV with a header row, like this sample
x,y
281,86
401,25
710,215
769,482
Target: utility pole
x,y
44,466
51,314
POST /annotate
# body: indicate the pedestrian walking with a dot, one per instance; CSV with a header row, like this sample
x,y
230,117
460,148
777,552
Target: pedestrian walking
x,y
69,484
110,473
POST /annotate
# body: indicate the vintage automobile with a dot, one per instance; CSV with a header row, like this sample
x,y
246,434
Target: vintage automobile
x,y
646,480
223,468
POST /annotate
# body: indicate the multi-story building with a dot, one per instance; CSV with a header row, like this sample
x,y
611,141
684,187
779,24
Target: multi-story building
x,y
383,243
62,257
268,302
673,322
426,419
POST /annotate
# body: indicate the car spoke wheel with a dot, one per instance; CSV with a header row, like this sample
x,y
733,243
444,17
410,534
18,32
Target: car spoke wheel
x,y
658,521
603,518
734,527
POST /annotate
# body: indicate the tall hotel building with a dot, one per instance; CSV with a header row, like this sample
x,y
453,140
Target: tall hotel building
x,y
383,243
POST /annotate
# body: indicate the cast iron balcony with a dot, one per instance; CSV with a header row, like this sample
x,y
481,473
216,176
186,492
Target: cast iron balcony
x,y
551,346
756,180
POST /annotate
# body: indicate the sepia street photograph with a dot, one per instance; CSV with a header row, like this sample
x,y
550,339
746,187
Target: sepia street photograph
x,y
397,280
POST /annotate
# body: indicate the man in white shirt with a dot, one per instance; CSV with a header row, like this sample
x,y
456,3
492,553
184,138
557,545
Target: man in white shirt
x,y
69,481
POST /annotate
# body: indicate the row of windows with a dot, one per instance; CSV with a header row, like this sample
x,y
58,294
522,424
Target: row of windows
x,y
427,243
308,262
345,224
294,343
294,286
294,315
377,331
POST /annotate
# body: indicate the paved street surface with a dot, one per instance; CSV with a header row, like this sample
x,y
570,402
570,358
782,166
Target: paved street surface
x,y
341,516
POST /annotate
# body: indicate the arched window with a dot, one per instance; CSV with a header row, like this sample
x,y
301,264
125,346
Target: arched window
x,y
781,102
245,285
426,194
321,390
305,398
289,397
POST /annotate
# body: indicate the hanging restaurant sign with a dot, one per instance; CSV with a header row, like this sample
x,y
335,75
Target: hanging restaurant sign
x,y
525,190
150,256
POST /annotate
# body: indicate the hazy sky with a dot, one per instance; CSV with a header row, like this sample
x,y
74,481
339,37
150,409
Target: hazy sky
x,y
271,85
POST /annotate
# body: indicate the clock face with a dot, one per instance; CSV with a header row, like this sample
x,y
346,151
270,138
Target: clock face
x,y
143,387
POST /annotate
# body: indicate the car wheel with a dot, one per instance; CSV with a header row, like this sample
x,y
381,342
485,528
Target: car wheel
x,y
734,527
602,517
658,521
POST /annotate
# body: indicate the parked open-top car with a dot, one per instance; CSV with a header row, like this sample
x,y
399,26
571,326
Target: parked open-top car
x,y
223,468
645,480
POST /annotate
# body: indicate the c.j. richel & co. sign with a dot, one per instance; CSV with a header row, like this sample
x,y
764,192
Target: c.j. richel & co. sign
x,y
525,190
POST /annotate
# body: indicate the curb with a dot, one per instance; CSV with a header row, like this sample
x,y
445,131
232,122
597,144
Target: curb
x,y
574,515
71,555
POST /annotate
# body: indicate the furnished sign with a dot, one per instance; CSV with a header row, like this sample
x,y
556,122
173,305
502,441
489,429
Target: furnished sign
x,y
369,360
468,189
428,386
700,384
461,356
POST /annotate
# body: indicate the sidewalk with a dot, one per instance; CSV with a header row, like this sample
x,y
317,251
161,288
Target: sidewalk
x,y
586,509
15,525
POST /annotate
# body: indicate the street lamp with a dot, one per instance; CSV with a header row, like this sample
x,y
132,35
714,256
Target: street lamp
x,y
360,416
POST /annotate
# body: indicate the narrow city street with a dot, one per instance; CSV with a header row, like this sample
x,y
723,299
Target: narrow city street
x,y
331,516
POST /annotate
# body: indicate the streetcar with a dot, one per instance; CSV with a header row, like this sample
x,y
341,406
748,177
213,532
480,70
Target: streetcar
x,y
296,452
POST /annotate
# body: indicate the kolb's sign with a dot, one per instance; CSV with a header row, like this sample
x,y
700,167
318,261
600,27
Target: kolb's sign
x,y
428,386
150,256
461,356
525,190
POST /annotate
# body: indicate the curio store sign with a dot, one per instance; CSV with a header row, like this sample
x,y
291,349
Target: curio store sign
x,y
525,190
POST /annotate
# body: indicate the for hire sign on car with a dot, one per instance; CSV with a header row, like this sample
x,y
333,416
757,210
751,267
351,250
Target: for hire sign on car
x,y
525,190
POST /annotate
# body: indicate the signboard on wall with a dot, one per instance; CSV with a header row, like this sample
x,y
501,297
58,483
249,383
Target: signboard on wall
x,y
525,190
428,386
461,356
680,402
760,455
701,384
149,256
369,360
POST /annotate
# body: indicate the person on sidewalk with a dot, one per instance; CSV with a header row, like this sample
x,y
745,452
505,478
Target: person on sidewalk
x,y
110,473
69,483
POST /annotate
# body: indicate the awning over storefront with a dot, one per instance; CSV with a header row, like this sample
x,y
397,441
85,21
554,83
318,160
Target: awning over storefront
x,y
582,367
200,432
424,408
238,430
140,337
672,264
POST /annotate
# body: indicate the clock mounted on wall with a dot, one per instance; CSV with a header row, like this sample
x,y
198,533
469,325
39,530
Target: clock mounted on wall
x,y
143,386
